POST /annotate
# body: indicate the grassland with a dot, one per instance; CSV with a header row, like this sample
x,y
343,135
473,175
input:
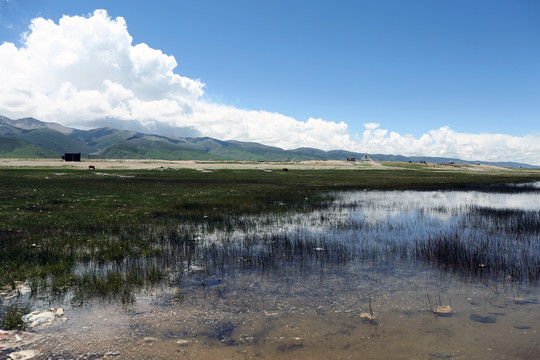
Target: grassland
x,y
56,221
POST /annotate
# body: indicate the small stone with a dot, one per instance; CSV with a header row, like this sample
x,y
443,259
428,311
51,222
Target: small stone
x,y
522,327
182,342
521,301
14,338
483,319
37,318
367,316
442,355
45,317
23,355
443,310
194,269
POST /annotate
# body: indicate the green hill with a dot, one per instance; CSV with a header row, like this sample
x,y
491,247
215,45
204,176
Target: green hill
x,y
54,141
141,148
29,137
17,148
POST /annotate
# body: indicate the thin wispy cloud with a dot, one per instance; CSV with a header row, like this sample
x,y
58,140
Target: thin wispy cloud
x,y
89,71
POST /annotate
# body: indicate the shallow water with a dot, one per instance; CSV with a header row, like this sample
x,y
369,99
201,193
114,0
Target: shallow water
x,y
312,301
311,316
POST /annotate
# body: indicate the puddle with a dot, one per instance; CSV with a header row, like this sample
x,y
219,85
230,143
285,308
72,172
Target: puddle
x,y
311,316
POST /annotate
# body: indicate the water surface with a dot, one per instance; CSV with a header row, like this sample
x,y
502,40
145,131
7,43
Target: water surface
x,y
300,286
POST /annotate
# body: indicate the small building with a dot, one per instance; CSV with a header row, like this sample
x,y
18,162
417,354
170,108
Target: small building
x,y
71,157
351,159
366,158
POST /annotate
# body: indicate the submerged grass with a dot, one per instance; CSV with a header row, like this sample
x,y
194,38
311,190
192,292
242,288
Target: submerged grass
x,y
13,318
95,235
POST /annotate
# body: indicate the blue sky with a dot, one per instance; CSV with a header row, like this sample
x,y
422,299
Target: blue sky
x,y
405,67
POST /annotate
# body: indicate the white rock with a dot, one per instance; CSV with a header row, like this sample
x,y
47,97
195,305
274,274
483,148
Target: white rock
x,y
23,355
58,312
195,269
20,290
367,316
14,338
37,318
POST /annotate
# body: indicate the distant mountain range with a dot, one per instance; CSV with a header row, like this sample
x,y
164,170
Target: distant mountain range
x,y
31,138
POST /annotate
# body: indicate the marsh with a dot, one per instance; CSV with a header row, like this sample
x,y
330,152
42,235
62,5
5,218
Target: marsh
x,y
292,277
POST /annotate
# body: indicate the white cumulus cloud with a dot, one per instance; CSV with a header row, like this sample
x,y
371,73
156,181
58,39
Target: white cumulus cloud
x,y
86,72
448,143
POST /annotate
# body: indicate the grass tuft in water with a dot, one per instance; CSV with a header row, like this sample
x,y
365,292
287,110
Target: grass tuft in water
x,y
13,318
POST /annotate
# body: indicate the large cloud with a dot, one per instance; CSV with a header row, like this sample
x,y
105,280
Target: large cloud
x,y
86,72
86,68
448,143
